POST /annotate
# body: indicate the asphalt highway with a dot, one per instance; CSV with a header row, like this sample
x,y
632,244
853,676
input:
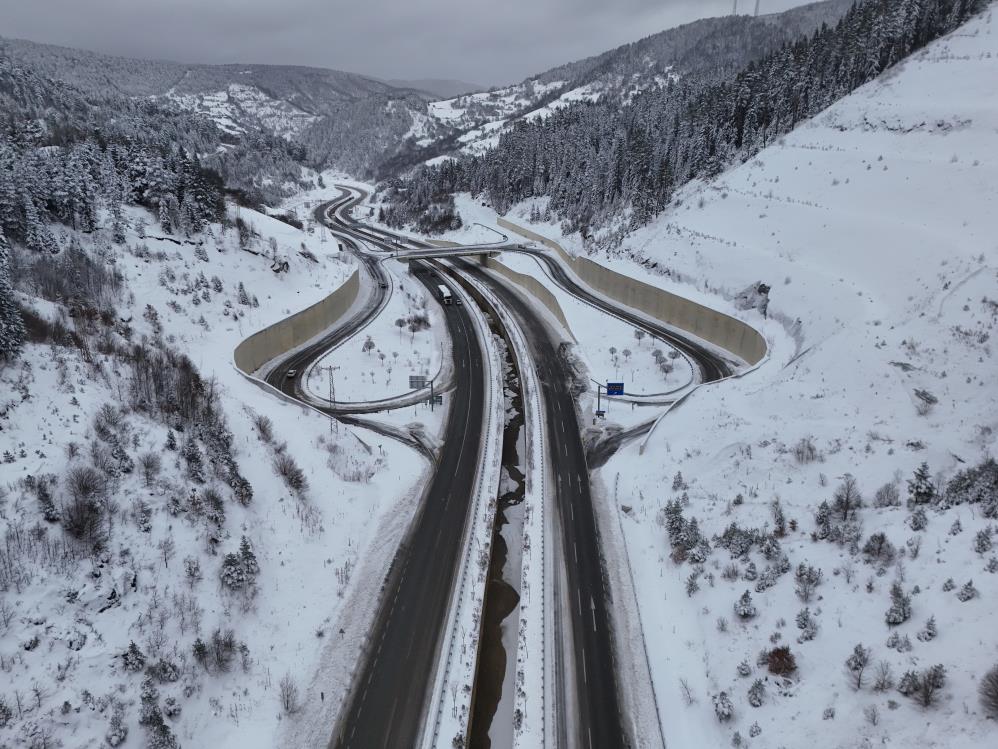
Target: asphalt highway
x,y
387,703
596,721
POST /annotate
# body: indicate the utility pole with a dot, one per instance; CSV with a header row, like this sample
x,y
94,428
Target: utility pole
x,y
333,422
734,8
757,8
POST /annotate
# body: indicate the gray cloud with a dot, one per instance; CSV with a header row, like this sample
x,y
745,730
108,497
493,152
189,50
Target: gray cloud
x,y
483,41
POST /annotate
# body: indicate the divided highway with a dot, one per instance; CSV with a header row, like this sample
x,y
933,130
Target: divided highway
x,y
387,705
596,720
388,700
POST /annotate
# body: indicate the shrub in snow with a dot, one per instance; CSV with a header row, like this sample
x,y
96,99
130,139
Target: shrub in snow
x,y
290,472
978,485
982,541
133,659
117,731
921,490
239,571
744,608
987,690
691,584
887,496
828,714
171,708
6,714
805,451
750,573
171,441
929,633
806,579
754,730
807,624
879,550
956,528
918,520
856,663
677,482
992,566
923,687
744,669
779,519
967,592
165,671
900,609
900,643
948,585
781,661
757,693
738,541
193,460
723,708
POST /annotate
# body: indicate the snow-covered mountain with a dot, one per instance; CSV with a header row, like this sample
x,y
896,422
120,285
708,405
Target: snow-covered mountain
x,y
704,49
343,118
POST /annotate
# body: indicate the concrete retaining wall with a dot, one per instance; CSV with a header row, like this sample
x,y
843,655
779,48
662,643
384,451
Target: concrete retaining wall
x,y
713,326
291,332
534,287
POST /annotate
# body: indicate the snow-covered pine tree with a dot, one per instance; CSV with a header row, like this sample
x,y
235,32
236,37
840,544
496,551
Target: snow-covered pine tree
x,y
12,332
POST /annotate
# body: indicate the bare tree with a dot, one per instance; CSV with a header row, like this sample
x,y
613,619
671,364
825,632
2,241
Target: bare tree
x,y
883,678
847,499
289,695
151,464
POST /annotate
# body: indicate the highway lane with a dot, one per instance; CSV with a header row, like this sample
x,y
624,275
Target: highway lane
x,y
596,719
389,697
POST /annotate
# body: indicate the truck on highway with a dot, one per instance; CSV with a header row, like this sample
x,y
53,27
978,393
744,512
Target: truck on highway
x,y
445,295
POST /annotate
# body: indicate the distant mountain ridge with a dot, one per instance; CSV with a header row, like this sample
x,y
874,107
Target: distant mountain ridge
x,y
706,49
375,128
441,88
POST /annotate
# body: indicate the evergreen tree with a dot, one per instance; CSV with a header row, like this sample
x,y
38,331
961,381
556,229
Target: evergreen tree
x,y
12,332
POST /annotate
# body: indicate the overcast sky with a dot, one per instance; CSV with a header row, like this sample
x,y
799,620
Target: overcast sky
x,y
481,41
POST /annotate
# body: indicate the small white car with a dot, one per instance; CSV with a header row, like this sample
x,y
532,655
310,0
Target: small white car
x,y
291,373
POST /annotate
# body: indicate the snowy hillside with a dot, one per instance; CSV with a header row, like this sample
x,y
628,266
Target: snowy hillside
x,y
874,224
151,496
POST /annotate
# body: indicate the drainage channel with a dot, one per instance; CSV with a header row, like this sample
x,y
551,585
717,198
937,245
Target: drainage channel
x,y
492,708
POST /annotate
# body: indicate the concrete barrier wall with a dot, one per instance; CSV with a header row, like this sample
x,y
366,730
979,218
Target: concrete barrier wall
x,y
291,332
534,287
725,331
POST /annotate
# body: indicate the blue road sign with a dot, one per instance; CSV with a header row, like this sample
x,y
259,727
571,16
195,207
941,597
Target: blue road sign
x,y
614,388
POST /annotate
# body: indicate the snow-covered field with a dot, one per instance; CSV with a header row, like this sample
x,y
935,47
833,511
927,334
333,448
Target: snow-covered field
x,y
377,362
71,608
